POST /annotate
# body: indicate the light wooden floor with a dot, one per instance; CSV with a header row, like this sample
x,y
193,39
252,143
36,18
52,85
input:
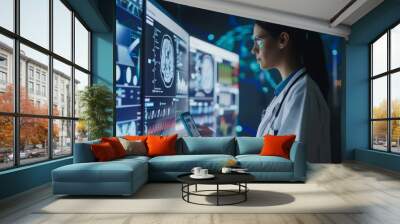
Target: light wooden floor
x,y
378,188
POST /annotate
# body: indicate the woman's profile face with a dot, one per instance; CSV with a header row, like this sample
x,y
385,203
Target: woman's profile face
x,y
265,48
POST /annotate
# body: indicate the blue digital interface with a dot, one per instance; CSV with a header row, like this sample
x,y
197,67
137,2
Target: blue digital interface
x,y
214,87
166,71
129,14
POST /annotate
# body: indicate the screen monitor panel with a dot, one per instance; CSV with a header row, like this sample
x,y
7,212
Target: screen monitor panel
x,y
213,86
129,20
165,70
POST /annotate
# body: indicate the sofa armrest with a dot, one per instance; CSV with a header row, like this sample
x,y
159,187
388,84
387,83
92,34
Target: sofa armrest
x,y
298,157
83,152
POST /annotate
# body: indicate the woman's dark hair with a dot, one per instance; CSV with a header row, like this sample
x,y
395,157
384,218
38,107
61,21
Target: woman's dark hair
x,y
308,47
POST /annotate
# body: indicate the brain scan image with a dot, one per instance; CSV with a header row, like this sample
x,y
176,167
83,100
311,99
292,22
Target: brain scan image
x,y
207,73
167,61
202,74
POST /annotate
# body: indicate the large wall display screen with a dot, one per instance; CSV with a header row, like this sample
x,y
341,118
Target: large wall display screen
x,y
213,86
166,71
129,14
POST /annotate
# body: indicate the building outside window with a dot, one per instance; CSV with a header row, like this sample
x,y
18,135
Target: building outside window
x,y
43,90
3,61
30,72
385,92
30,87
37,75
59,129
43,78
3,78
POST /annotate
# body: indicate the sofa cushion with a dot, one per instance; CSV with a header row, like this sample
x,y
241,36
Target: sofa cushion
x,y
103,152
185,163
135,138
277,145
116,145
111,171
161,145
249,145
134,147
208,145
257,163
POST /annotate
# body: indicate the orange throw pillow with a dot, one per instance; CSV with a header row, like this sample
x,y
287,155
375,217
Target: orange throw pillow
x,y
103,152
116,145
277,145
135,138
161,145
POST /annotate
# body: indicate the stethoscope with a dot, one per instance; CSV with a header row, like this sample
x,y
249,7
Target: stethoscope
x,y
278,106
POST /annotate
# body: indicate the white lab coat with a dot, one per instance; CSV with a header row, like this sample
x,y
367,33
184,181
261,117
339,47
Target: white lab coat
x,y
304,113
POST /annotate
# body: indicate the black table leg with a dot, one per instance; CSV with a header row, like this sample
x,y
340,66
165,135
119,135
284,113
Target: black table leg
x,y
217,194
196,188
188,190
245,193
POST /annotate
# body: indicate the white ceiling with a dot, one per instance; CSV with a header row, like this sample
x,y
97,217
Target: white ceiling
x,y
321,9
324,16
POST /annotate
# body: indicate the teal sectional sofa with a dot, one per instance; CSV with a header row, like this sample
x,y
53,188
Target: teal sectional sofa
x,y
125,176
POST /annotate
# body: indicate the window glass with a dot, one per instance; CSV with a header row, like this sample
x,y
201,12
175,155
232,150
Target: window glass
x,y
81,81
62,91
379,135
395,47
39,61
7,14
81,45
62,138
81,131
379,97
395,136
6,142
33,140
62,29
6,74
34,21
395,95
379,56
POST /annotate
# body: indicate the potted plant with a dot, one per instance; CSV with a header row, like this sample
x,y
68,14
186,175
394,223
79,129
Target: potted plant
x,y
96,103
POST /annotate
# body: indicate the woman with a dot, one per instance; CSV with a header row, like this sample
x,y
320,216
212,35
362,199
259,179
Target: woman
x,y
298,106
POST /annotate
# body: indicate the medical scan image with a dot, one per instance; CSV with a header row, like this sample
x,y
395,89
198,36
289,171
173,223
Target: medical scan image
x,y
202,74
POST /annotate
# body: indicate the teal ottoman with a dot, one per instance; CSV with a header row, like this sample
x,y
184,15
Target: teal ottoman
x,y
118,177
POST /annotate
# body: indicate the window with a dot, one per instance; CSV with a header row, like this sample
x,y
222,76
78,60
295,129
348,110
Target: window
x,y
7,14
30,87
3,61
30,72
34,21
6,72
45,131
38,89
37,74
44,91
3,78
62,29
385,94
62,74
81,45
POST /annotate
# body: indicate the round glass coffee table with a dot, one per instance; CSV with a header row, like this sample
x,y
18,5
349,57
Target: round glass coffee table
x,y
238,179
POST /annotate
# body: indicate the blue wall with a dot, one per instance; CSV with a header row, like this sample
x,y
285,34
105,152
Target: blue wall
x,y
356,97
102,59
24,178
